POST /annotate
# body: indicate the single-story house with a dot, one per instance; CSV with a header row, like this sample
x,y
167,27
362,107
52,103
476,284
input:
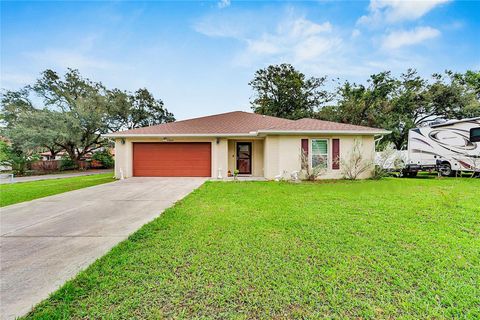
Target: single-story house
x,y
47,155
255,145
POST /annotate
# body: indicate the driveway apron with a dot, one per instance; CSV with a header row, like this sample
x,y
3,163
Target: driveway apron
x,y
47,241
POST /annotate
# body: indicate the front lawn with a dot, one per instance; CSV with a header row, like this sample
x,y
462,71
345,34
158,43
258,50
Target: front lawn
x,y
25,191
396,248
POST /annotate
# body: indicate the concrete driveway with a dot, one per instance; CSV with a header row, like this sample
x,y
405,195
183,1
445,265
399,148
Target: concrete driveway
x,y
47,241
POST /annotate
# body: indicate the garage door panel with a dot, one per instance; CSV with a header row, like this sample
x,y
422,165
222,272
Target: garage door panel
x,y
172,159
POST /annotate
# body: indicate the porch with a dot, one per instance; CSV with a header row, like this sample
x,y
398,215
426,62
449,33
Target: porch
x,y
246,156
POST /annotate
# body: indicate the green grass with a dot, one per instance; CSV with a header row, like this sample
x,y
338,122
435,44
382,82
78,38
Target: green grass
x,y
26,191
395,248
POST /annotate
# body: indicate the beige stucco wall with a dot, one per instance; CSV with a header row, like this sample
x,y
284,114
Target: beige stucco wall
x,y
271,156
257,155
283,154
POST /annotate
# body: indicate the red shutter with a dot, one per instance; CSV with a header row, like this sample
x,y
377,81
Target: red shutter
x,y
305,151
335,154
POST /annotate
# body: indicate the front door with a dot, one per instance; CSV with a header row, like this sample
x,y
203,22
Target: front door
x,y
244,157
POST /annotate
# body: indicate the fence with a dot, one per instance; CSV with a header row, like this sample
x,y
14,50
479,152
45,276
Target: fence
x,y
55,165
48,165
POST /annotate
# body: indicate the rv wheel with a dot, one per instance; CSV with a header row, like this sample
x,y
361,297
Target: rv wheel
x,y
446,169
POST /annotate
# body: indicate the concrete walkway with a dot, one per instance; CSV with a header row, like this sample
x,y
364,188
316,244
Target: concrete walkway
x,y
56,176
47,241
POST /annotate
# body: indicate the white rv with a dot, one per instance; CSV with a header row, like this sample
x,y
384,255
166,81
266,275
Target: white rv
x,y
446,147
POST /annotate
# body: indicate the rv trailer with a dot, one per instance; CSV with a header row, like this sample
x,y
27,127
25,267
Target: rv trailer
x,y
446,148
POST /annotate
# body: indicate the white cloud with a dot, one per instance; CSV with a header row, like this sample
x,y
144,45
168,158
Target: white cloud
x,y
303,28
211,26
392,11
398,39
223,4
297,39
263,46
355,33
317,48
314,47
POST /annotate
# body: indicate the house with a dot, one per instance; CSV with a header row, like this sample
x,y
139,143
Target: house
x,y
47,155
255,145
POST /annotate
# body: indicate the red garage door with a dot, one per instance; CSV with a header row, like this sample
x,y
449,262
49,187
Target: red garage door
x,y
172,159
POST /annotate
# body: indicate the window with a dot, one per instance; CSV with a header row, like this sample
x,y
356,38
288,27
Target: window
x,y
475,135
319,153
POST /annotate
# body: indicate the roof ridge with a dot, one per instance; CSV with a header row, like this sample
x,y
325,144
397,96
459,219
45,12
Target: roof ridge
x,y
203,117
341,123
189,119
224,113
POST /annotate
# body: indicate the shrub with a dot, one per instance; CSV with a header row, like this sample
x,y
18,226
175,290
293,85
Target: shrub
x,y
379,173
355,164
105,157
308,173
66,163
15,158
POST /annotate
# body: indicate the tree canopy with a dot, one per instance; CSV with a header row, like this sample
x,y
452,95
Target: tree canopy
x,y
385,101
75,113
283,91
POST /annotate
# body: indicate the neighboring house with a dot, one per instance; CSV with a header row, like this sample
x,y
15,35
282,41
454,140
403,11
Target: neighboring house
x,y
47,155
256,145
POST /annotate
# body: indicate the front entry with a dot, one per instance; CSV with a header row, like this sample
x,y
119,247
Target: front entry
x,y
244,157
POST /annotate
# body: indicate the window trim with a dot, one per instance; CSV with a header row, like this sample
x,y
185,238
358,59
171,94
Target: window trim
x,y
472,137
310,156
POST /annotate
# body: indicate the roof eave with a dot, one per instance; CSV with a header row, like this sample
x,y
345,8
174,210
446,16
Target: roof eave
x,y
182,135
341,132
250,134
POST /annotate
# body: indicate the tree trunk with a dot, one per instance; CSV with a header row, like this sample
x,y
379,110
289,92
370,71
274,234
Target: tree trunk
x,y
53,153
73,156
398,144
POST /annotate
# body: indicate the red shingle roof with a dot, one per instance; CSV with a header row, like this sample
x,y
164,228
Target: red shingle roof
x,y
320,125
239,122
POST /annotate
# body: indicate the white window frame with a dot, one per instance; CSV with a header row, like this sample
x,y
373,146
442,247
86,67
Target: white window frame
x,y
311,151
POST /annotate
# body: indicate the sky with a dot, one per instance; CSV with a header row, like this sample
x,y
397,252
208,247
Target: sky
x,y
199,56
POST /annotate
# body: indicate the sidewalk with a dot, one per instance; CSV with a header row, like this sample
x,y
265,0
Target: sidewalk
x,y
56,176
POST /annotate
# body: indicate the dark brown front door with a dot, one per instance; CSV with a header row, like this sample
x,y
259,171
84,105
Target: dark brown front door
x,y
244,157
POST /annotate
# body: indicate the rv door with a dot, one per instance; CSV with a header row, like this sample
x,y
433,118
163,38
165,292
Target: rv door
x,y
475,134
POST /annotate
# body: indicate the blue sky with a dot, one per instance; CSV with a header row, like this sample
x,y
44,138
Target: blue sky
x,y
199,56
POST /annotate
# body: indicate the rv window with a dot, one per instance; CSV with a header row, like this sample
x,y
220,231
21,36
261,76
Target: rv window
x,y
475,135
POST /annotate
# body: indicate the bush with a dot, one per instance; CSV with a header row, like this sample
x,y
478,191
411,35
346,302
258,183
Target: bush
x,y
355,164
379,173
66,163
15,158
105,157
308,173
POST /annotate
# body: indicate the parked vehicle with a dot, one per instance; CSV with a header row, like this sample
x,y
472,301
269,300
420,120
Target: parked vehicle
x,y
446,147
